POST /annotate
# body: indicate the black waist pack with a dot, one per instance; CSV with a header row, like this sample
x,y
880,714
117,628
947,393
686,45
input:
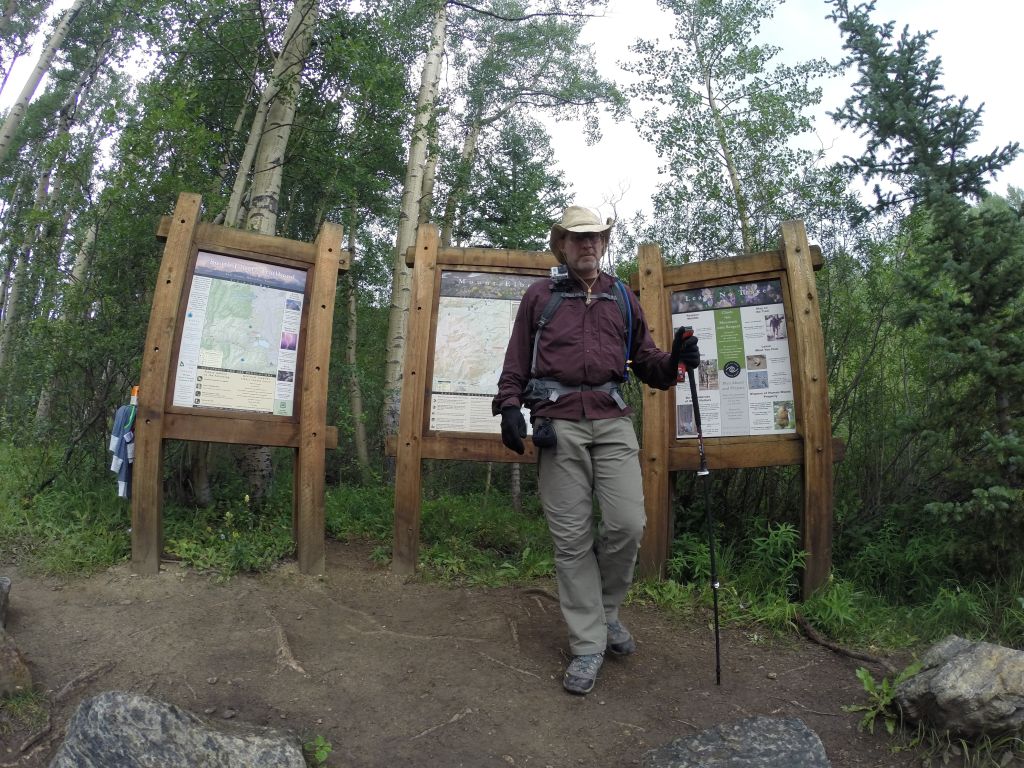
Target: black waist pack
x,y
544,433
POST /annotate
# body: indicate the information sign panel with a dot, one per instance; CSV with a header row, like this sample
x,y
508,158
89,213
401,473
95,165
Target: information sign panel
x,y
240,337
475,315
745,381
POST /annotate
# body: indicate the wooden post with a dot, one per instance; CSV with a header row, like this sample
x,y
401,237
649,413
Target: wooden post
x,y
309,456
657,428
415,383
147,485
814,421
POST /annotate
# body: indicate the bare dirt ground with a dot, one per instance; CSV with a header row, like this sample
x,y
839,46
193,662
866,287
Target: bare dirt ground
x,y
397,673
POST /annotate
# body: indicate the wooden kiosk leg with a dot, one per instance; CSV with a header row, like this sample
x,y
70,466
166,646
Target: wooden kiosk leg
x,y
812,403
657,432
309,456
147,486
409,453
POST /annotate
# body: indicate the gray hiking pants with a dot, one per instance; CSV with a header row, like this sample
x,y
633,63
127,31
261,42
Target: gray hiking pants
x,y
593,459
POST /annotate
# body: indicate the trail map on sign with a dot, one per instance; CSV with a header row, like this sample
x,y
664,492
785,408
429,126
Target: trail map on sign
x,y
745,380
240,338
475,315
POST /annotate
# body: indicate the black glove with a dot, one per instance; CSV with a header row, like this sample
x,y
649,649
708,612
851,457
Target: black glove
x,y
684,349
513,429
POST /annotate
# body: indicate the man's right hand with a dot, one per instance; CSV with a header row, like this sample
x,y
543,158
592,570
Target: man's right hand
x,y
685,350
513,429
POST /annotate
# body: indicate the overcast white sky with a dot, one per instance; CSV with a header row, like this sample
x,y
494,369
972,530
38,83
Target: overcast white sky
x,y
978,42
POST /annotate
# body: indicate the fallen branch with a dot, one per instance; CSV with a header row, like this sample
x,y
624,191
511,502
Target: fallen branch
x,y
814,636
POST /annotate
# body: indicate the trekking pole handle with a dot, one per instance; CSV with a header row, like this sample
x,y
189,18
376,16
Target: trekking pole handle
x,y
681,368
681,374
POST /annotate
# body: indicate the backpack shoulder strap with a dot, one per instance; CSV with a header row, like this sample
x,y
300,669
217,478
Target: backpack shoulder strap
x,y
626,309
545,317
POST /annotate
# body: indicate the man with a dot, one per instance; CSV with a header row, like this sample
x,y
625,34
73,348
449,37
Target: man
x,y
568,374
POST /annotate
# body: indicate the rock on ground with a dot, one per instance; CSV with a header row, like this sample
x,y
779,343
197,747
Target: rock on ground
x,y
757,742
117,728
967,688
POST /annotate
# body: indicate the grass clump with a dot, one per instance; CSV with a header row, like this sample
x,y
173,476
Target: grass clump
x,y
23,712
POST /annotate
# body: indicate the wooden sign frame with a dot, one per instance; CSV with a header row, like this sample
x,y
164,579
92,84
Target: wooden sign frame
x,y
811,446
415,440
305,430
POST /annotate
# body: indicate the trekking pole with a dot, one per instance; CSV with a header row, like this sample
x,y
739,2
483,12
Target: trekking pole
x,y
705,473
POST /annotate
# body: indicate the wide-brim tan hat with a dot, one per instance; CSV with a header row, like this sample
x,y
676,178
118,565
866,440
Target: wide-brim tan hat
x,y
576,218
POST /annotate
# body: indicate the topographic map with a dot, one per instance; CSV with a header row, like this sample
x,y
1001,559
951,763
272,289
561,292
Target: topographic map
x,y
475,315
243,327
475,333
240,337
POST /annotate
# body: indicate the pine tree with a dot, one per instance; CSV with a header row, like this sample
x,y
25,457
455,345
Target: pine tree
x,y
962,277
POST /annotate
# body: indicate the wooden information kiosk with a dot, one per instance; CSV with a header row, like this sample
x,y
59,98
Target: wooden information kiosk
x,y
237,351
762,382
770,403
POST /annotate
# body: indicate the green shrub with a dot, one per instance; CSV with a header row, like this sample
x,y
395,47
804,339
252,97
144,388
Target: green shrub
x,y
230,538
68,528
480,539
359,513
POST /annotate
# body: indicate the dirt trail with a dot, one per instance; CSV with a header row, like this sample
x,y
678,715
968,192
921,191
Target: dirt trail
x,y
410,674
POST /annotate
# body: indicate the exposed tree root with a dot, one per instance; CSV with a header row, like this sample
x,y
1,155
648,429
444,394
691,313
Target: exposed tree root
x,y
814,636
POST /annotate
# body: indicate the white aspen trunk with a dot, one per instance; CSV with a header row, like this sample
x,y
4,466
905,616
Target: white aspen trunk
x,y
5,284
236,129
730,165
67,111
283,91
466,159
233,215
355,394
20,274
412,190
18,109
427,198
279,98
199,473
83,258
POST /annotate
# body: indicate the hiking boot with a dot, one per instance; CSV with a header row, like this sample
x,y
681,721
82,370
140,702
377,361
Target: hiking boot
x,y
620,642
581,674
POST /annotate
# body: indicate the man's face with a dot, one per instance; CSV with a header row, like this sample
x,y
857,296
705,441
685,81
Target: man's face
x,y
583,251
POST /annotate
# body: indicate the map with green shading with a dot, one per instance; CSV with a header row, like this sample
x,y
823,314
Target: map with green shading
x,y
243,326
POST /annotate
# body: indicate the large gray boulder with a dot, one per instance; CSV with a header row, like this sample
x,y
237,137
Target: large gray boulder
x,y
126,729
757,742
967,688
15,676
